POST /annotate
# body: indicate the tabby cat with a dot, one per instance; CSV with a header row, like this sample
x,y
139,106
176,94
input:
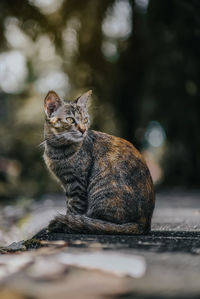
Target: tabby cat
x,y
108,186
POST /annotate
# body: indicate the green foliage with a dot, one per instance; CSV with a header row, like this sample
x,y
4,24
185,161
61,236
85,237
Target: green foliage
x,y
145,70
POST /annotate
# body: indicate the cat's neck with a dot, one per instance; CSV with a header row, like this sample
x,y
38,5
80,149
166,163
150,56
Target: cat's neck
x,y
62,151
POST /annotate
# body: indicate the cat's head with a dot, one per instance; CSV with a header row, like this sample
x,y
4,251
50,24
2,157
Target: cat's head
x,y
66,121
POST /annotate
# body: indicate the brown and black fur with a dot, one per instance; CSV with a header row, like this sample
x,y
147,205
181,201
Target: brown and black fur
x,y
108,186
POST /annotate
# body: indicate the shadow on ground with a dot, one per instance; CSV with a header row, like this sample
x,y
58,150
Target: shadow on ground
x,y
156,241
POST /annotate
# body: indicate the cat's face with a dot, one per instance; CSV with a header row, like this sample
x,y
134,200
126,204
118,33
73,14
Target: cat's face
x,y
66,121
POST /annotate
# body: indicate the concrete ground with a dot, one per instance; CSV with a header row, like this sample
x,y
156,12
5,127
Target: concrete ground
x,y
170,259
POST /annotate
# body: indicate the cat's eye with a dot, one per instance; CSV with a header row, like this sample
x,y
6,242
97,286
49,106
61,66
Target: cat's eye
x,y
85,120
70,120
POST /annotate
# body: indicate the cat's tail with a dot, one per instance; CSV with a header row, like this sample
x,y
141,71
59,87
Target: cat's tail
x,y
74,223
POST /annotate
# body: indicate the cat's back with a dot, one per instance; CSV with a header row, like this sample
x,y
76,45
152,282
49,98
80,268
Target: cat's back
x,y
114,149
116,157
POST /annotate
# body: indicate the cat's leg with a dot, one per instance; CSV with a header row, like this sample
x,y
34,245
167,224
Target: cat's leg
x,y
76,205
76,197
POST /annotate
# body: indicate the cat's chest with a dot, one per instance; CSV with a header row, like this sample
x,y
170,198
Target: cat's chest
x,y
67,168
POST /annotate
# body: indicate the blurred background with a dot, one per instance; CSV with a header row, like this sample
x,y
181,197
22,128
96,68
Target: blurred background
x,y
140,58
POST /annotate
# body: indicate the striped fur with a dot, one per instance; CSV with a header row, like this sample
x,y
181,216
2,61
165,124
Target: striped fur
x,y
108,186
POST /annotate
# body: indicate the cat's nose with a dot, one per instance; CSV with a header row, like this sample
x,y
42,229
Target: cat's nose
x,y
82,129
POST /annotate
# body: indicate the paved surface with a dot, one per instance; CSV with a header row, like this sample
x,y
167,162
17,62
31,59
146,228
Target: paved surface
x,y
171,254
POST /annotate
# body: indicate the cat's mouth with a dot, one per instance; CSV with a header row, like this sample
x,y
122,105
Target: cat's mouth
x,y
79,134
76,136
64,137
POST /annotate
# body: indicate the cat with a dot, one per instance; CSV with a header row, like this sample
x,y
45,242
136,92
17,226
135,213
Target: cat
x,y
107,183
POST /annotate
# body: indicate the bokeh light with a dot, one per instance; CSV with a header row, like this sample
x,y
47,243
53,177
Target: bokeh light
x,y
118,20
47,6
13,71
53,80
155,134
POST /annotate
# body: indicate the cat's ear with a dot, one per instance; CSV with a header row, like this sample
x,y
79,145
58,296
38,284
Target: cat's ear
x,y
82,100
52,102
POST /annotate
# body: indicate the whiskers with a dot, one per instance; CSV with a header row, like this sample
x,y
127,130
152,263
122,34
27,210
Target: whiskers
x,y
64,138
42,144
